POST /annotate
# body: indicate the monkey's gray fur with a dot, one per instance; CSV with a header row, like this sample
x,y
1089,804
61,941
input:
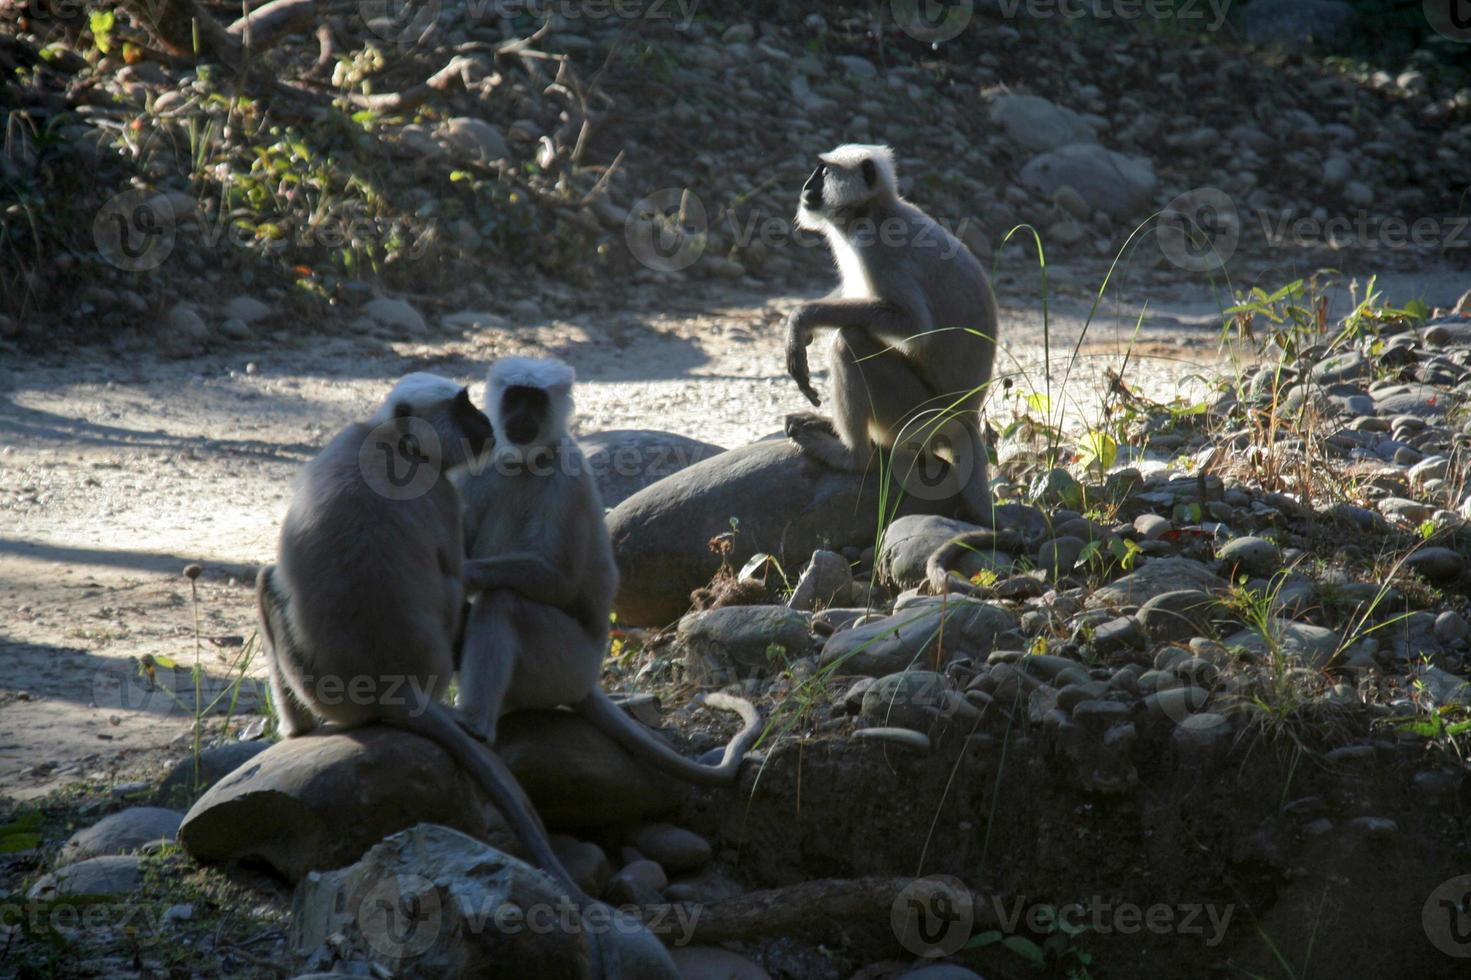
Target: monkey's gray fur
x,y
544,565
915,328
361,613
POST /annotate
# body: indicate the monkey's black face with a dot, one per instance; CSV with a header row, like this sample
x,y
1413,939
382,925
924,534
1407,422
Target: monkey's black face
x,y
471,423
523,412
812,190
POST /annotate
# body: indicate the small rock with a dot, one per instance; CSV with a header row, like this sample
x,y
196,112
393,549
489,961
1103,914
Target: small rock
x,y
637,883
1438,565
111,875
824,582
397,314
121,833
1252,556
734,642
675,848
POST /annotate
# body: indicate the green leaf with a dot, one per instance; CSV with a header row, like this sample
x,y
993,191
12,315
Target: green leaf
x,y
1026,949
1098,447
1038,401
168,663
15,843
101,22
755,562
983,939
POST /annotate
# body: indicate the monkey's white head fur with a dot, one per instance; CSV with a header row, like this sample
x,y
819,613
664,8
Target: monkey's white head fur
x,y
420,392
851,175
550,375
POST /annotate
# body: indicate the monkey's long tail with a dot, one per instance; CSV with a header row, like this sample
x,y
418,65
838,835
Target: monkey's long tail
x,y
937,566
612,721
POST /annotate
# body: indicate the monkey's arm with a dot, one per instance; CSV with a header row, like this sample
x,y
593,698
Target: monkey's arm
x,y
527,574
882,319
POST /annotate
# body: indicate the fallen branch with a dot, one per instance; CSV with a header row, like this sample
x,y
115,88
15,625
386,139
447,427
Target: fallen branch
x,y
830,910
265,25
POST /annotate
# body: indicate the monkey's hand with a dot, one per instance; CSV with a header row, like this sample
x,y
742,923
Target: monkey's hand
x,y
799,336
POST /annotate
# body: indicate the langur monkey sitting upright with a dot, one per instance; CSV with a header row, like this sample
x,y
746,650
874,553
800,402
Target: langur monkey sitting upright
x,y
360,615
544,567
915,328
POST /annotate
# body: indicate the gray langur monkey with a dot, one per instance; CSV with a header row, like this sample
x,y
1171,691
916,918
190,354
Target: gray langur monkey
x,y
360,614
544,568
915,328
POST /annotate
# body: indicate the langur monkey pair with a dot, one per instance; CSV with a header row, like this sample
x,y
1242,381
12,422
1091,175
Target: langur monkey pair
x,y
915,329
362,612
545,576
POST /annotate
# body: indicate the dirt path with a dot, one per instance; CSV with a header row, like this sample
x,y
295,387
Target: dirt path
x,y
115,474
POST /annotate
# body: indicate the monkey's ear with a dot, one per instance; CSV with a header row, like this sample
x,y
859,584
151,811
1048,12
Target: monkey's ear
x,y
870,172
462,400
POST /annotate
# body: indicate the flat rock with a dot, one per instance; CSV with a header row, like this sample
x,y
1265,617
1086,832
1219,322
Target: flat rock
x,y
786,506
1155,577
121,833
429,900
737,642
913,632
624,461
319,801
1311,645
111,875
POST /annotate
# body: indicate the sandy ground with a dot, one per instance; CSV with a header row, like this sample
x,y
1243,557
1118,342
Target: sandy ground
x,y
115,474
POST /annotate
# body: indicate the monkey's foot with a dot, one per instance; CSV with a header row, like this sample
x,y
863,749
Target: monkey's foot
x,y
803,422
819,442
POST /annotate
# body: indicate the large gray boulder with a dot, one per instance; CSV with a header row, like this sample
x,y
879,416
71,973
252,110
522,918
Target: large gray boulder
x,y
321,800
430,902
624,461
577,776
786,505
